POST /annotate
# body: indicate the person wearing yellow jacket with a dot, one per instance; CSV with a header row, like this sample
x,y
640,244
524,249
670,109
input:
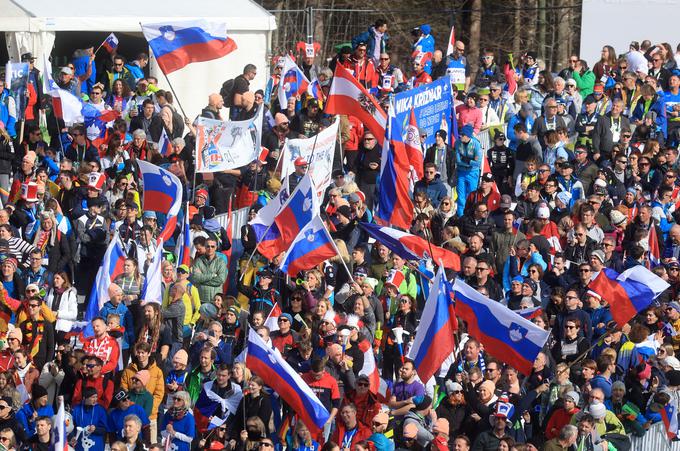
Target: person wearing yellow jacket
x,y
156,385
191,300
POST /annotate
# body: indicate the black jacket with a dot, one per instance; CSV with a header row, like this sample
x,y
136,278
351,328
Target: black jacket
x,y
6,157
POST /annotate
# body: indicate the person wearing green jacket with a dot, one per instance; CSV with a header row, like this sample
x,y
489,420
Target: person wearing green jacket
x,y
205,371
209,272
584,77
138,392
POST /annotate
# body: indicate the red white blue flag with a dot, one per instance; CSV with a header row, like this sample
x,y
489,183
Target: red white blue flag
x,y
394,204
276,227
669,416
58,440
314,90
184,244
111,267
164,144
411,247
268,363
628,293
654,251
293,82
312,246
505,334
176,44
110,43
162,194
435,339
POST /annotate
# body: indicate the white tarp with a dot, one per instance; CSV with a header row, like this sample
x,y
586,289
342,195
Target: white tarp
x,y
30,25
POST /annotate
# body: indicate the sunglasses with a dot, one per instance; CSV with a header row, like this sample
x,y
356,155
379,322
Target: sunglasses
x,y
570,327
362,384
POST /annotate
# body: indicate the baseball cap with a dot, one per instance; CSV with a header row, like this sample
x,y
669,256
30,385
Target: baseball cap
x,y
488,177
121,395
506,201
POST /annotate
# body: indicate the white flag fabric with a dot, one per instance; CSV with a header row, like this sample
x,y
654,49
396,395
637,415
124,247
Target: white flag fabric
x,y
153,287
66,106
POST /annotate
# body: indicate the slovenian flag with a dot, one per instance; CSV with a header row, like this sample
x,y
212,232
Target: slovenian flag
x,y
184,244
314,90
394,204
435,337
176,44
504,334
313,245
669,416
164,144
293,82
276,372
411,247
110,43
111,267
162,194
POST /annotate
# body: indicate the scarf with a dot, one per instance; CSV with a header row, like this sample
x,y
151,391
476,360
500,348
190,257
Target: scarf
x,y
178,413
34,334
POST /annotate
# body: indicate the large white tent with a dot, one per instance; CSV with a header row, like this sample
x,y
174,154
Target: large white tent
x,y
32,26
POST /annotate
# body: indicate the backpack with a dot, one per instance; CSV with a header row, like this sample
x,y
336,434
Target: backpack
x,y
177,123
227,93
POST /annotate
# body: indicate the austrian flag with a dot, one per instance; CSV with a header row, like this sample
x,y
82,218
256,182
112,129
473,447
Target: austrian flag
x,y
347,96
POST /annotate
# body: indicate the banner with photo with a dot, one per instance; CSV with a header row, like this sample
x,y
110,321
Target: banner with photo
x,y
318,150
222,145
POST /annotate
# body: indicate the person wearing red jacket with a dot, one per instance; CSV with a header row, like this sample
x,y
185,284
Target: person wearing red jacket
x,y
562,416
352,133
103,346
363,67
14,339
420,77
487,194
366,404
92,370
348,430
325,387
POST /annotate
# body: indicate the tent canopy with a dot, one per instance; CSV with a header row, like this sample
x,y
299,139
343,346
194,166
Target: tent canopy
x,y
32,25
125,15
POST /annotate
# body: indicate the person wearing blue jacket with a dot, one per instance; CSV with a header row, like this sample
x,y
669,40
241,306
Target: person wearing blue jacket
x,y
91,417
432,185
115,306
376,38
8,110
125,407
423,45
468,163
33,409
525,115
178,423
